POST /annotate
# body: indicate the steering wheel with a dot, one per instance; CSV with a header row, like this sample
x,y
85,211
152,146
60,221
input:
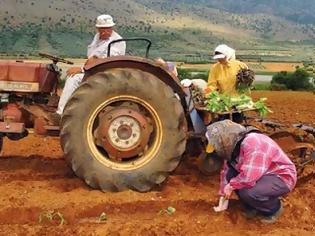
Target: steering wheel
x,y
55,59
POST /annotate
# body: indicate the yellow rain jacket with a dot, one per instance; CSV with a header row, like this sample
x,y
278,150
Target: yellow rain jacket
x,y
223,76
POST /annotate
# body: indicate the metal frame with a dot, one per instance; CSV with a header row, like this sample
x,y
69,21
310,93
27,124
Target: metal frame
x,y
130,39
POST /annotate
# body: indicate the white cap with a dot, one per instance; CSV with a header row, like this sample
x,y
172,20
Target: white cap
x,y
219,56
104,21
224,51
186,82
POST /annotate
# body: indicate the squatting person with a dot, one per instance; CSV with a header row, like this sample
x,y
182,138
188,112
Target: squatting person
x,y
255,167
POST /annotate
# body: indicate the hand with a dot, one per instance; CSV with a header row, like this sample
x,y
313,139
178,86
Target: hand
x,y
223,205
228,190
74,70
207,90
90,60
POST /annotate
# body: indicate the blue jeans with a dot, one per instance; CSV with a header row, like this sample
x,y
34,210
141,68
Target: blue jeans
x,y
264,196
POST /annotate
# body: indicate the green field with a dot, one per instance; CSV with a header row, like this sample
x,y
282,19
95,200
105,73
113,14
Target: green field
x,y
262,86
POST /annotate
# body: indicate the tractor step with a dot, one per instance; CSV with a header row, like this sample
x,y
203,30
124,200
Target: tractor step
x,y
52,127
42,127
12,127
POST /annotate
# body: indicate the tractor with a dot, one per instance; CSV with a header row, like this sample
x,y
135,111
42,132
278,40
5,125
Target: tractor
x,y
126,126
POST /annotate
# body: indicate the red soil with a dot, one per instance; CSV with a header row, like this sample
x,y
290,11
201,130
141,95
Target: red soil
x,y
35,179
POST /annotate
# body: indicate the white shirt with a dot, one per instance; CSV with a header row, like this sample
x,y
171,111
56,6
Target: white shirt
x,y
99,47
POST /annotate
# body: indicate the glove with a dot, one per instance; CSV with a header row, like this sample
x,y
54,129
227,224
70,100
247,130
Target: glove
x,y
223,205
228,189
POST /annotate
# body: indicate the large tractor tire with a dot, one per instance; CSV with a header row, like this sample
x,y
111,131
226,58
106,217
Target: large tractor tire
x,y
123,129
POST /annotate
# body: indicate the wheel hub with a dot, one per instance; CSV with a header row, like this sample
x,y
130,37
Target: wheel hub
x,y
123,132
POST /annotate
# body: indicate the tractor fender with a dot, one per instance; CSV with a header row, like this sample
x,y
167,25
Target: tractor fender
x,y
143,64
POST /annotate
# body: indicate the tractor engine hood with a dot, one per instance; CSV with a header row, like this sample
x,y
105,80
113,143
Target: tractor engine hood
x,y
26,77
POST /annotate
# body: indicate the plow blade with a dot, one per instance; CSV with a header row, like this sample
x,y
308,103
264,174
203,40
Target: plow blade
x,y
289,142
306,128
311,159
302,152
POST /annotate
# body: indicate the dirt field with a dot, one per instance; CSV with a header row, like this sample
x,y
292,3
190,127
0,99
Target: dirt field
x,y
35,180
275,67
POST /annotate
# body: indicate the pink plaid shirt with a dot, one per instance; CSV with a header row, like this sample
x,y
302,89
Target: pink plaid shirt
x,y
259,155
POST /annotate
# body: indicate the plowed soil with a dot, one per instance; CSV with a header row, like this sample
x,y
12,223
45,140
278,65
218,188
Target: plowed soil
x,y
35,180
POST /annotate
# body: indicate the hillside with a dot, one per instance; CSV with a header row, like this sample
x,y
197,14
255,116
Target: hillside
x,y
293,10
177,27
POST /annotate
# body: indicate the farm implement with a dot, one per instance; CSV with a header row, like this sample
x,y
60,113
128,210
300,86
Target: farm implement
x,y
297,140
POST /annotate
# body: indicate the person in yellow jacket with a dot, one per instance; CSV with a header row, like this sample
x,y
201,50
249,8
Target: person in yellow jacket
x,y
222,77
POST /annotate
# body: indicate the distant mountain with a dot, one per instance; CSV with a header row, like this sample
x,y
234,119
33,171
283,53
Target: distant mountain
x,y
294,10
176,27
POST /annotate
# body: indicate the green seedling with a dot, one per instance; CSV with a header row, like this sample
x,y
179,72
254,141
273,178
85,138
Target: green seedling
x,y
216,102
170,210
51,215
102,217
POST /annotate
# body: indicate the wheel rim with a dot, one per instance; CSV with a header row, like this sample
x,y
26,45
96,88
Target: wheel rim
x,y
123,132
118,144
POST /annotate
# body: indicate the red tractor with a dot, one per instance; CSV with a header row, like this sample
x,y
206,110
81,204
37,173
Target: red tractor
x,y
125,127
28,91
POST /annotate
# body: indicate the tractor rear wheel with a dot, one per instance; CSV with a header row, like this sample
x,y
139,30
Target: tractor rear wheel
x,y
123,129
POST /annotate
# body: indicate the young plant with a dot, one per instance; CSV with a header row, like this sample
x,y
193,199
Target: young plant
x,y
102,217
170,210
217,103
51,215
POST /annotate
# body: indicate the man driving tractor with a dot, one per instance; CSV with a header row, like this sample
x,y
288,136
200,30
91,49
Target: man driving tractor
x,y
97,49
